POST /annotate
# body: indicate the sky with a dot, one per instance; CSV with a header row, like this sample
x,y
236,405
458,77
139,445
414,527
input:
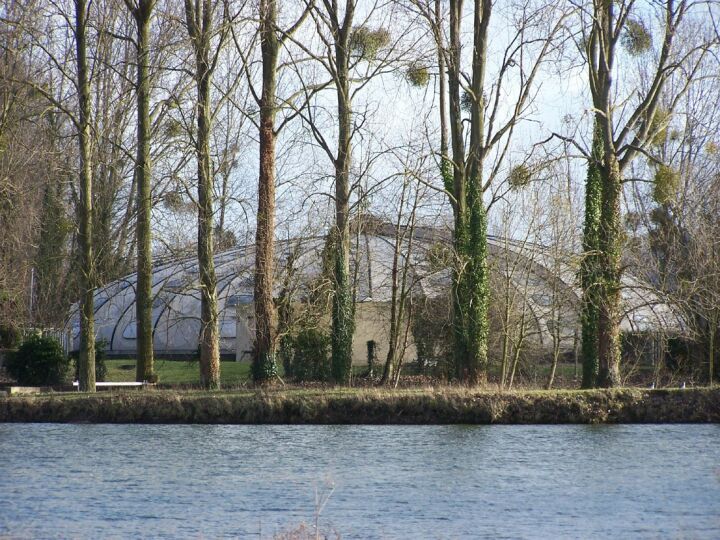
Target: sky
x,y
395,114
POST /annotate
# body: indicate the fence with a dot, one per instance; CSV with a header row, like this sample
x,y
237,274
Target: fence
x,y
63,337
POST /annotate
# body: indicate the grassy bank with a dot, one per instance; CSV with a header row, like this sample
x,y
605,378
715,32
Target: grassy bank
x,y
186,373
178,372
369,406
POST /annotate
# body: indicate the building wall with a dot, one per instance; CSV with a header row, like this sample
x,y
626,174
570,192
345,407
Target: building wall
x,y
372,322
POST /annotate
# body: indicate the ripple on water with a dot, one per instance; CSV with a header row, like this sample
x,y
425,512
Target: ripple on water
x,y
90,481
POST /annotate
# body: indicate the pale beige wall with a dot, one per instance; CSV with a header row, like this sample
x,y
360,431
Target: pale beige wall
x,y
372,322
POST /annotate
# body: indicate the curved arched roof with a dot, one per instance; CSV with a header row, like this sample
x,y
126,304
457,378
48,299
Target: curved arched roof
x,y
176,305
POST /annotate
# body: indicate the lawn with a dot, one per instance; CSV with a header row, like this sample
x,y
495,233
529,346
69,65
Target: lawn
x,y
184,372
178,371
232,374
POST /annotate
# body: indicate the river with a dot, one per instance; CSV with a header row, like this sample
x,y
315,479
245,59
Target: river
x,y
230,481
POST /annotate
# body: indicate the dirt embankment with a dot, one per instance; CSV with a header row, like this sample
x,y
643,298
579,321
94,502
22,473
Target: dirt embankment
x,y
419,406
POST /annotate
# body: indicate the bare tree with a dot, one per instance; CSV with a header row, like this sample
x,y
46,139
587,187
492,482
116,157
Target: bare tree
x,y
86,363
272,39
202,28
75,72
627,135
142,13
33,187
353,54
676,223
512,269
343,325
528,50
404,273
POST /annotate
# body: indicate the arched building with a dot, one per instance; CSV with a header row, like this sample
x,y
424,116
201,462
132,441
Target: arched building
x,y
545,285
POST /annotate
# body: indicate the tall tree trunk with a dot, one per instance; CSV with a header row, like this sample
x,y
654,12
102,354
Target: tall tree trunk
x,y
343,316
620,145
609,231
264,363
611,248
209,346
458,188
472,290
199,21
142,14
86,362
589,271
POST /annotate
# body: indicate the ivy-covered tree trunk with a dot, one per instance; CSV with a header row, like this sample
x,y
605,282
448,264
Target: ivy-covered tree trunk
x,y
86,361
476,276
142,13
343,313
601,56
638,126
471,276
264,361
611,248
589,268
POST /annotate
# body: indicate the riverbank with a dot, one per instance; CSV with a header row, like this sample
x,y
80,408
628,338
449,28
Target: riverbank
x,y
369,406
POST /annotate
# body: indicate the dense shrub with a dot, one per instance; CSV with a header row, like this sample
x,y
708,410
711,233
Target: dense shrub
x,y
39,361
9,337
310,355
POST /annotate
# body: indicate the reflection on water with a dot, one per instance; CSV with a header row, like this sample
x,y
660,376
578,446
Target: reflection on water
x,y
93,481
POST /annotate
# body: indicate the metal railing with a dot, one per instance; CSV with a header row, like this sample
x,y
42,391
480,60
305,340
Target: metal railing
x,y
62,336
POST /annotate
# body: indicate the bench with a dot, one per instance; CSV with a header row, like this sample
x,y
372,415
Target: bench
x,y
132,384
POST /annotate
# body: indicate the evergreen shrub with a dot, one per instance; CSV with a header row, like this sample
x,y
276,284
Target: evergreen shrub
x,y
310,355
40,361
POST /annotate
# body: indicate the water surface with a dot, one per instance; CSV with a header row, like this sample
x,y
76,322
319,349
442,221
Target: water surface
x,y
124,481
